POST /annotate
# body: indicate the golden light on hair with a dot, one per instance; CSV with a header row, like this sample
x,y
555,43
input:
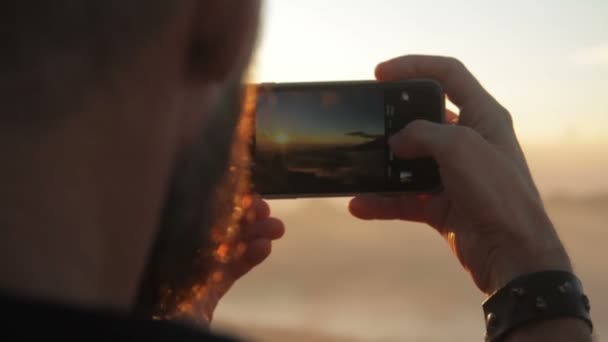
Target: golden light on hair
x,y
247,202
221,253
232,201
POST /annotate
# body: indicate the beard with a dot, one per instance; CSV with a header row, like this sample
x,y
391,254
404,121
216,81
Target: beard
x,y
199,215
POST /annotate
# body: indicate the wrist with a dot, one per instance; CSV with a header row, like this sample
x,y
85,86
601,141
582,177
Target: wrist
x,y
521,260
535,248
527,305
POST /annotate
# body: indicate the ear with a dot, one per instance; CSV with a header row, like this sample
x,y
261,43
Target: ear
x,y
224,37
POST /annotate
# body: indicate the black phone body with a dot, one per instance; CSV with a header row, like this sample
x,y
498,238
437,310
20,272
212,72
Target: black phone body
x,y
330,139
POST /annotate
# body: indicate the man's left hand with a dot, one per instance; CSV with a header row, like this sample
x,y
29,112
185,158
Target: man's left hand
x,y
257,232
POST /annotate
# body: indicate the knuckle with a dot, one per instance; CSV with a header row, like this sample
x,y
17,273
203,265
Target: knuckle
x,y
461,142
455,63
505,116
489,117
501,119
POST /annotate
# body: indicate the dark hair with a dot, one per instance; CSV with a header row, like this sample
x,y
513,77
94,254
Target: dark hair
x,y
55,52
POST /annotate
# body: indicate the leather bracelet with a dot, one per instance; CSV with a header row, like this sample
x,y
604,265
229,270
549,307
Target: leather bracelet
x,y
535,297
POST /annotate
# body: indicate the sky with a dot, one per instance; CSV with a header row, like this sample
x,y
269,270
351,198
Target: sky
x,y
337,118
546,61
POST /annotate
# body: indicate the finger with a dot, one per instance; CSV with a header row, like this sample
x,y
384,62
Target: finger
x,y
269,228
478,109
256,252
255,209
376,207
262,209
459,84
444,143
419,139
451,117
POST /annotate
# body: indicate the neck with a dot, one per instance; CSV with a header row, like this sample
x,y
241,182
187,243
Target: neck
x,y
75,212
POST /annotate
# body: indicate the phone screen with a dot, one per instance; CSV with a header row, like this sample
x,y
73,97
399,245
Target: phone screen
x,y
332,139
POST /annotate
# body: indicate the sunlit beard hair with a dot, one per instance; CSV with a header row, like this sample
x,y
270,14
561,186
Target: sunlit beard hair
x,y
183,247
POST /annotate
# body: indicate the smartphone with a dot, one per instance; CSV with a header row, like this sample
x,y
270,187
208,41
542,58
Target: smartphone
x,y
330,139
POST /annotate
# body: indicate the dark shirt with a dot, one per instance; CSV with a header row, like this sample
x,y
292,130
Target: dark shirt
x,y
29,320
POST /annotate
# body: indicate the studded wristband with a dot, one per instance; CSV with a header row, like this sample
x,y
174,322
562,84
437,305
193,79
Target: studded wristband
x,y
535,297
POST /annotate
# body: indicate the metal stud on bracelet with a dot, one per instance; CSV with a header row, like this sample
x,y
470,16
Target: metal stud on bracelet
x,y
535,297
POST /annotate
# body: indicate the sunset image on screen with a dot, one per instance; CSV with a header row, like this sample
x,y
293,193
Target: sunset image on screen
x,y
281,139
320,141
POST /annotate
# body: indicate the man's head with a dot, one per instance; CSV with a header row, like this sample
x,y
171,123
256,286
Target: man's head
x,y
118,118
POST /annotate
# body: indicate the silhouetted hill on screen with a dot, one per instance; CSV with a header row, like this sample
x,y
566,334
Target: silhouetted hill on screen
x,y
376,144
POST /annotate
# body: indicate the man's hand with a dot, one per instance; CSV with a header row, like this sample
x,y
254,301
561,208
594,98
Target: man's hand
x,y
490,211
256,235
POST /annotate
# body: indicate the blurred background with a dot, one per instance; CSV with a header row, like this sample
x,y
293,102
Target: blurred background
x,y
333,278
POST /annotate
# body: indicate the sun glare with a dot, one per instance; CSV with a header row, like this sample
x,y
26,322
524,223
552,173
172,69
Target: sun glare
x,y
281,139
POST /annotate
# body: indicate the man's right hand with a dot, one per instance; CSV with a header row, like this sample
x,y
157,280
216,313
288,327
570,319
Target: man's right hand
x,y
490,211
